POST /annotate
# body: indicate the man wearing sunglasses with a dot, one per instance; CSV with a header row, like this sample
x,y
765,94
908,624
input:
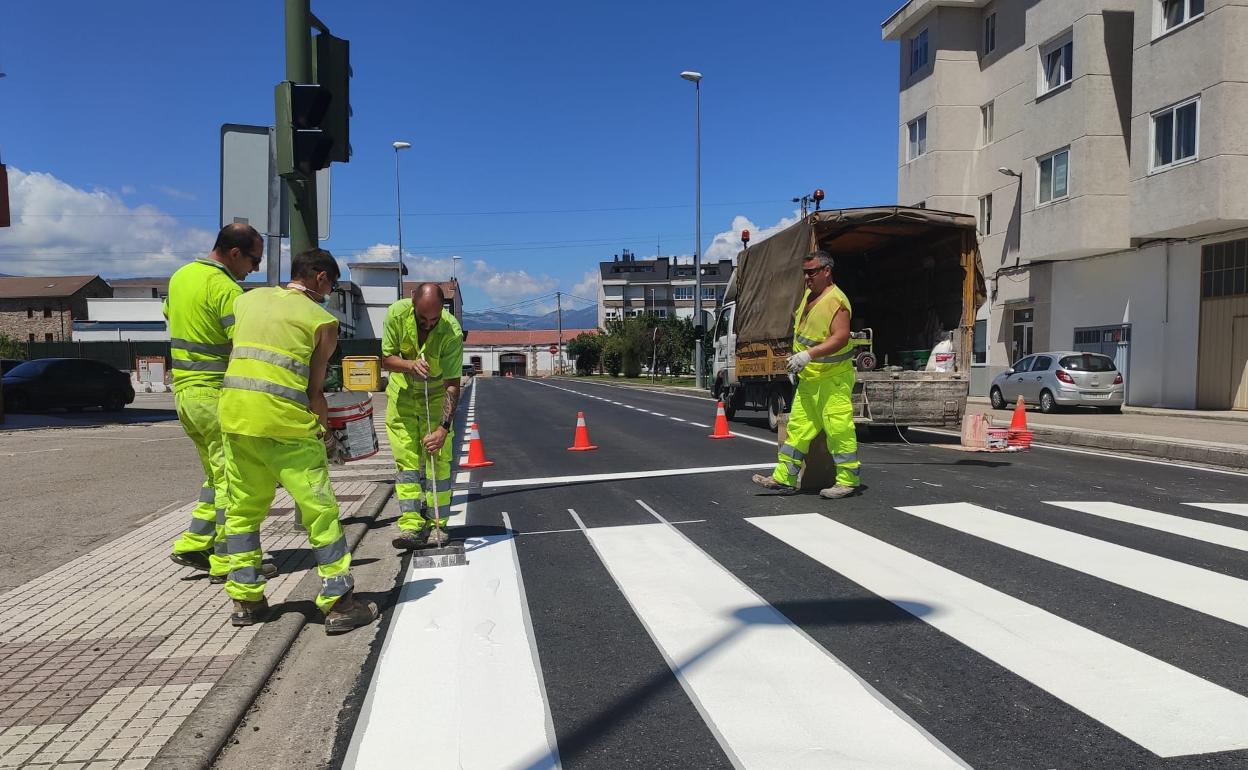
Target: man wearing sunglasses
x,y
200,311
823,401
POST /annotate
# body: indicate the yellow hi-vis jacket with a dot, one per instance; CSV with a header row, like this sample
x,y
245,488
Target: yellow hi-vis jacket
x,y
200,311
265,390
443,348
814,330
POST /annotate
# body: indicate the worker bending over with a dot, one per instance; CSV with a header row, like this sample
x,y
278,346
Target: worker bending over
x,y
823,362
422,346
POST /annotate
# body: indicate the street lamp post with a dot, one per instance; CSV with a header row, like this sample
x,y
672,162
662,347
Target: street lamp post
x,y
398,209
696,79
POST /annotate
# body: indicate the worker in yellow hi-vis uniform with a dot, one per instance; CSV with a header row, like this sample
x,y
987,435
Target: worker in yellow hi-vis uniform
x,y
823,362
422,346
275,421
200,311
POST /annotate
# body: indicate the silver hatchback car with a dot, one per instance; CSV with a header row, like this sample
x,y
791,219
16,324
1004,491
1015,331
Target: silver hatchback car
x,y
1059,379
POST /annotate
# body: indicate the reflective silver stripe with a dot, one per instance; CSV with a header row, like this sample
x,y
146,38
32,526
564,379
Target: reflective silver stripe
x,y
338,585
200,347
272,357
793,452
248,575
207,495
202,526
808,342
226,321
409,505
328,554
842,459
221,516
835,359
409,477
242,543
219,549
791,468
200,366
444,485
272,388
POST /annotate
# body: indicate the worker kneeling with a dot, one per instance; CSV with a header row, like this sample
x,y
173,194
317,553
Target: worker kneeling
x,y
274,421
422,346
823,360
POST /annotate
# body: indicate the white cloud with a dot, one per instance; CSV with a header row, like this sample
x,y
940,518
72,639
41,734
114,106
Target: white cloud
x,y
588,286
61,229
127,190
501,287
727,245
174,192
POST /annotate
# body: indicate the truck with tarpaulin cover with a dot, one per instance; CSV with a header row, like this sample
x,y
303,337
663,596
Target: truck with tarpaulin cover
x,y
914,278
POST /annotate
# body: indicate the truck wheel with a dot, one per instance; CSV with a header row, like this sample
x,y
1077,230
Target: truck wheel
x,y
866,362
777,406
730,403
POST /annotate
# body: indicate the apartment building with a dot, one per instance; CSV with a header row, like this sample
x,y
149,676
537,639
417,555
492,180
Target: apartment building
x,y
1101,146
629,287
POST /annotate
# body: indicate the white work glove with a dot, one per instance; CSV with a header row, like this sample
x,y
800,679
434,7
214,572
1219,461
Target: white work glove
x,y
798,361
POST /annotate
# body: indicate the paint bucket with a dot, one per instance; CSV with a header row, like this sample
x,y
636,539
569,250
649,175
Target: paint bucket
x,y
351,419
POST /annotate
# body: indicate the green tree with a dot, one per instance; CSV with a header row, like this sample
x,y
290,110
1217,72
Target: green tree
x,y
612,359
11,347
587,350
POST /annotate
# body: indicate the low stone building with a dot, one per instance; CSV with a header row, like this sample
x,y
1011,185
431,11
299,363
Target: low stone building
x,y
43,308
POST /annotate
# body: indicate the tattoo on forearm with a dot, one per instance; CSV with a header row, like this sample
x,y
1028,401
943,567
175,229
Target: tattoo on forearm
x,y
449,404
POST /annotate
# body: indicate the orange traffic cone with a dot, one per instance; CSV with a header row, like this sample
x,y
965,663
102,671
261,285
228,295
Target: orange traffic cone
x,y
1019,421
721,423
476,451
581,442
1019,436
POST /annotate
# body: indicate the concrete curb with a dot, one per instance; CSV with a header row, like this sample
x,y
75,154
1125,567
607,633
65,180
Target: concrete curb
x,y
1189,414
202,735
1205,453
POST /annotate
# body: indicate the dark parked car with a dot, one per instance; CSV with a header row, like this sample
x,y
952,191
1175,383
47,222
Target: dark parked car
x,y
8,363
70,383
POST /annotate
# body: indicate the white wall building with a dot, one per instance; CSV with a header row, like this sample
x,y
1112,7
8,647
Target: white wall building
x,y
629,287
522,352
120,319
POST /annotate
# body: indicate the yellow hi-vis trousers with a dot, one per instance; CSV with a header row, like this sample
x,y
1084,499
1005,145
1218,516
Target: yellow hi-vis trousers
x,y
197,410
253,468
823,404
406,425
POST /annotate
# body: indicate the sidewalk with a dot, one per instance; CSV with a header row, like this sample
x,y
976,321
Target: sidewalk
x,y
106,656
1213,438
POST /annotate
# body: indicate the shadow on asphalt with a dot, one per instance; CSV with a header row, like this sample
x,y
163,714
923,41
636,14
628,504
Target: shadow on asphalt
x,y
823,612
88,418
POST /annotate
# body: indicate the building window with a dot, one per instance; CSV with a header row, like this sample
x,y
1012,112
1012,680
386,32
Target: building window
x,y
990,33
986,117
708,292
1023,333
682,292
32,337
1056,63
985,215
30,312
1054,175
979,343
918,52
661,312
1224,269
47,337
47,312
916,132
1176,13
1174,134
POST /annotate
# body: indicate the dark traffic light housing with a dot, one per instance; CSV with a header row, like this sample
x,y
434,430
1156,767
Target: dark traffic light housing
x,y
313,119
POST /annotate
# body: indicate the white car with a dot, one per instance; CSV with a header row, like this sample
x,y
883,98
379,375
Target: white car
x,y
1061,379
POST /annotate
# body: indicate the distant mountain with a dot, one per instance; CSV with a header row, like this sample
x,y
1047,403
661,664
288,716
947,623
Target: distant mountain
x,y
584,318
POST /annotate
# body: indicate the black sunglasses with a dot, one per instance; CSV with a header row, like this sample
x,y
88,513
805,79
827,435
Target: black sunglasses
x,y
809,271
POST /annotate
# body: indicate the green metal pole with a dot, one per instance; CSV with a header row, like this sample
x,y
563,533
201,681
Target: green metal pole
x,y
302,192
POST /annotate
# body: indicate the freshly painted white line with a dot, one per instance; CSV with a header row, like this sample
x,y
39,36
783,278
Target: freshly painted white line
x,y
656,414
473,621
1239,509
1106,453
33,452
772,697
577,529
1158,706
545,480
677,419
1212,593
462,477
699,424
1217,534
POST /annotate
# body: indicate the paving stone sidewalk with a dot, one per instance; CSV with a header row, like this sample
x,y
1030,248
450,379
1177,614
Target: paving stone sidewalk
x,y
106,656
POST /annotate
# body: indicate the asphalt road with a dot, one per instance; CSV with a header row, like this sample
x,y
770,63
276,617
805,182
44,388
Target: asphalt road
x,y
691,621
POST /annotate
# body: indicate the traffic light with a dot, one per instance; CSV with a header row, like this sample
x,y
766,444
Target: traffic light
x,y
303,146
332,71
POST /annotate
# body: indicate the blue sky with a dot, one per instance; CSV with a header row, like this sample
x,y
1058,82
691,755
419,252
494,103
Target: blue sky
x,y
546,137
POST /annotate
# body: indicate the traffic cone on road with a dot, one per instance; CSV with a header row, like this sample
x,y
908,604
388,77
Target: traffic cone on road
x,y
1019,436
1019,421
476,450
721,423
581,441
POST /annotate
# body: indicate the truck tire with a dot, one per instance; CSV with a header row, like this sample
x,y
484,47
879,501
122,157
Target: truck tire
x,y
729,397
865,361
777,405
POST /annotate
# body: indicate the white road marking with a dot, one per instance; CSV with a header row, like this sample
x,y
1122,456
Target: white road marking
x,y
677,419
1217,534
772,697
577,529
473,621
699,424
31,452
1158,706
1239,509
1212,593
547,480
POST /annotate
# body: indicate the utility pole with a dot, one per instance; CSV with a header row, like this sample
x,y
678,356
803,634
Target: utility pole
x,y
302,189
559,320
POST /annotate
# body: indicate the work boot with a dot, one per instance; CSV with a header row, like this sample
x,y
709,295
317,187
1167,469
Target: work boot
x,y
249,613
268,569
837,492
193,559
411,539
437,536
767,482
347,613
